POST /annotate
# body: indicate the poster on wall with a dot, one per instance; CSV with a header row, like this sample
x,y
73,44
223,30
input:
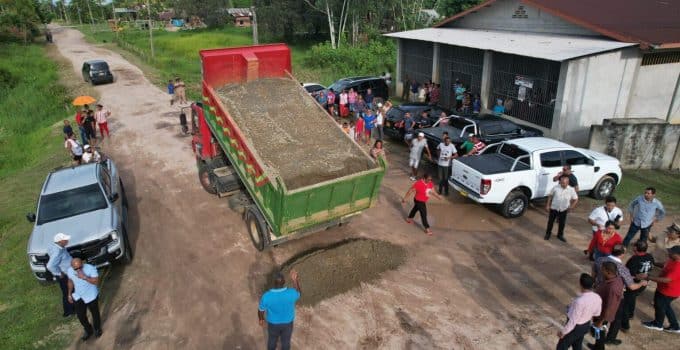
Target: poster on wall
x,y
524,81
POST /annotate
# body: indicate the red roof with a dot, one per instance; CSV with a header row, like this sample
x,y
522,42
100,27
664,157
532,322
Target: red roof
x,y
651,23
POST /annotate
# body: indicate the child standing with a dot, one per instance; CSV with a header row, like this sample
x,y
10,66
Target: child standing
x,y
171,91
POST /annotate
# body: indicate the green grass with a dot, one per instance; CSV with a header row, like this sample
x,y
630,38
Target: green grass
x,y
30,146
667,184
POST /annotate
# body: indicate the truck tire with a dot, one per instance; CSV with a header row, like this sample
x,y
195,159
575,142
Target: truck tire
x,y
604,188
515,204
205,179
257,228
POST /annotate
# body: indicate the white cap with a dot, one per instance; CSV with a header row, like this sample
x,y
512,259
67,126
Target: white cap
x,y
61,237
86,147
420,134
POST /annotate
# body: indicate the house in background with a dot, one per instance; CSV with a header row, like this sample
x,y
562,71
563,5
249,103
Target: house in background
x,y
561,65
242,17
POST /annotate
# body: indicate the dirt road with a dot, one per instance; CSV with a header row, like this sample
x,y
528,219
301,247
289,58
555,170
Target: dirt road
x,y
482,282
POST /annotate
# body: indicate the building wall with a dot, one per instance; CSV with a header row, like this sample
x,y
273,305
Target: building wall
x,y
515,16
653,92
591,89
415,61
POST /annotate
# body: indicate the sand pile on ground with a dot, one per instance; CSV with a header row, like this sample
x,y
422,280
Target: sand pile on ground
x,y
296,139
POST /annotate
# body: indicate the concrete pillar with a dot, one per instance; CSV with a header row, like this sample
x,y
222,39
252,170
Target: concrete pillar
x,y
486,79
435,63
561,102
397,80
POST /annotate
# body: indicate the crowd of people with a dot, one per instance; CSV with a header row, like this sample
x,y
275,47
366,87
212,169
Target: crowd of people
x,y
88,121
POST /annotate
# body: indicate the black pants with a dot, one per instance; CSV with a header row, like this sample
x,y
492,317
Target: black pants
x,y
561,217
574,339
629,301
420,207
81,311
63,284
615,326
663,309
279,331
443,172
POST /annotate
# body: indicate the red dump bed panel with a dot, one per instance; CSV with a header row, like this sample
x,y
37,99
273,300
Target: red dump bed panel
x,y
241,64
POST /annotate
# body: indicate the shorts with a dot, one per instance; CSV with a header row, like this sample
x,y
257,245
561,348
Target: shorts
x,y
77,158
413,162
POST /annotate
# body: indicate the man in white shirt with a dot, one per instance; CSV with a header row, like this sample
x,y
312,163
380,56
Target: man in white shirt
x,y
581,311
91,155
562,198
447,151
101,116
379,121
608,212
417,146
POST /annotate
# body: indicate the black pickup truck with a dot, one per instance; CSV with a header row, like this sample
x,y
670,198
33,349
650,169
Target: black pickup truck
x,y
393,126
491,128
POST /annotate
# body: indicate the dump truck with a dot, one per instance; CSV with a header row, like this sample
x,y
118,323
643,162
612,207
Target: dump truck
x,y
258,132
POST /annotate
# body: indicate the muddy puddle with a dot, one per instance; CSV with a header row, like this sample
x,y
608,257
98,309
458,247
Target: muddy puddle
x,y
335,269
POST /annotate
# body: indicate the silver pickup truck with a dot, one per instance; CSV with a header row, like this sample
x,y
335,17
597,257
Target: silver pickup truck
x,y
513,172
88,203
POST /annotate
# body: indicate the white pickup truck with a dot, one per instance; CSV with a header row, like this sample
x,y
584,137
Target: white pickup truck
x,y
511,173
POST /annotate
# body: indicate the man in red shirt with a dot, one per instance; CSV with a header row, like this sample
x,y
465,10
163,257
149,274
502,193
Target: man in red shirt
x,y
423,188
667,290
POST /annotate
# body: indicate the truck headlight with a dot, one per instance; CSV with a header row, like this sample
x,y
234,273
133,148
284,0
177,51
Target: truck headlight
x,y
34,259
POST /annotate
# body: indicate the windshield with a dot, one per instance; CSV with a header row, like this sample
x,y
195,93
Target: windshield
x,y
338,86
69,203
459,123
99,66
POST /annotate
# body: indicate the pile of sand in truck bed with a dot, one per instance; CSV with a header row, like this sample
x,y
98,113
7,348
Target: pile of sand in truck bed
x,y
290,133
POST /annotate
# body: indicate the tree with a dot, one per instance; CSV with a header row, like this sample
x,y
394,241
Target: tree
x,y
22,18
212,12
449,8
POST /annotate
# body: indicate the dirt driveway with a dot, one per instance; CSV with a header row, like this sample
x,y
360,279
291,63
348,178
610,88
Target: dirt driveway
x,y
482,282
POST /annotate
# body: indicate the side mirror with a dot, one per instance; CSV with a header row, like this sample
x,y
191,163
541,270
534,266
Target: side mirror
x,y
114,197
30,217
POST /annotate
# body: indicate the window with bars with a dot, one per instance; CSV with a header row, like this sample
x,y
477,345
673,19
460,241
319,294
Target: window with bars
x,y
461,63
652,58
416,60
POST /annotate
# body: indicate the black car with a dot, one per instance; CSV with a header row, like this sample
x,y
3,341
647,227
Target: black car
x,y
491,129
361,84
97,71
393,120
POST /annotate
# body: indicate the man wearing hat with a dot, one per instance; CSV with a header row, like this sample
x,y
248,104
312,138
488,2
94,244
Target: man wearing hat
x,y
417,146
667,290
90,155
60,261
277,307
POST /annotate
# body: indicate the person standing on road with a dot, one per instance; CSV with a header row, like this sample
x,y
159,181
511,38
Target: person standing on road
x,y
561,198
644,211
378,150
409,124
379,121
579,315
603,241
330,100
422,189
671,240
639,265
477,146
60,261
417,146
277,308
67,129
344,100
566,170
611,292
100,117
352,98
447,152
667,290
90,155
80,120
89,123
368,98
171,91
369,124
83,292
607,212
180,91
75,149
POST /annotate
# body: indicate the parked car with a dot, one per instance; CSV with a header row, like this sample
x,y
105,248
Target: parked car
x,y
491,129
361,84
511,173
313,88
88,203
393,119
97,71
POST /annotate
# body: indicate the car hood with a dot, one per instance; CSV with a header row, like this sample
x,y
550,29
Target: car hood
x,y
598,156
82,228
436,133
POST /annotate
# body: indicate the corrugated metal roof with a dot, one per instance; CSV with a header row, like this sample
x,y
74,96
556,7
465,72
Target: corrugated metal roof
x,y
650,23
546,46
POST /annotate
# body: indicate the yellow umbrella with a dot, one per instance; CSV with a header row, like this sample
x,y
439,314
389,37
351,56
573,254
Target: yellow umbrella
x,y
84,100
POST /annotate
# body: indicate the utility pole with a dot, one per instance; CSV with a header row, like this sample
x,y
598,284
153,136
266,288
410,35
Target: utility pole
x,y
148,9
254,25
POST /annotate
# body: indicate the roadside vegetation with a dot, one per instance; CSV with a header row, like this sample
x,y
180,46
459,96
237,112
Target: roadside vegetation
x,y
34,98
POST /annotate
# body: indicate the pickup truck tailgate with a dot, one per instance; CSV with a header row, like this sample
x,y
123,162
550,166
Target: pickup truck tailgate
x,y
465,177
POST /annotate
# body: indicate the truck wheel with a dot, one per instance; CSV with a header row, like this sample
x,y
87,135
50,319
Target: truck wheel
x,y
257,228
204,178
515,204
604,188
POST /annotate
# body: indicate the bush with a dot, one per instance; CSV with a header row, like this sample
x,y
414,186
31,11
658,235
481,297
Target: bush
x,y
373,58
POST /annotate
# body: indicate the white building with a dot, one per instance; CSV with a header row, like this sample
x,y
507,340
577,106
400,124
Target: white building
x,y
561,65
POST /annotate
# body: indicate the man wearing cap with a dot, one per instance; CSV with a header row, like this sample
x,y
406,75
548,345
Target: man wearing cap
x,y
83,292
60,261
90,155
277,307
667,290
417,146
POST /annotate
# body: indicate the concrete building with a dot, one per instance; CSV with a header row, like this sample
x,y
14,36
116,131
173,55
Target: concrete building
x,y
561,65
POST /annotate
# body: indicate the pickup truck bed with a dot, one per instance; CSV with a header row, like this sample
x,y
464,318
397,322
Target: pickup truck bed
x,y
493,163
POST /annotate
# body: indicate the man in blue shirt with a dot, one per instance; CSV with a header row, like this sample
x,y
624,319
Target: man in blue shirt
x,y
277,306
60,261
84,279
644,211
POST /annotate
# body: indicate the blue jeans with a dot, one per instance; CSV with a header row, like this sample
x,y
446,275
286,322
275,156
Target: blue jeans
x,y
83,135
275,331
633,230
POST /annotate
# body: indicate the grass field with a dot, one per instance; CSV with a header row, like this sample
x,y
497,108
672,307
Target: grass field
x,y
31,144
667,184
